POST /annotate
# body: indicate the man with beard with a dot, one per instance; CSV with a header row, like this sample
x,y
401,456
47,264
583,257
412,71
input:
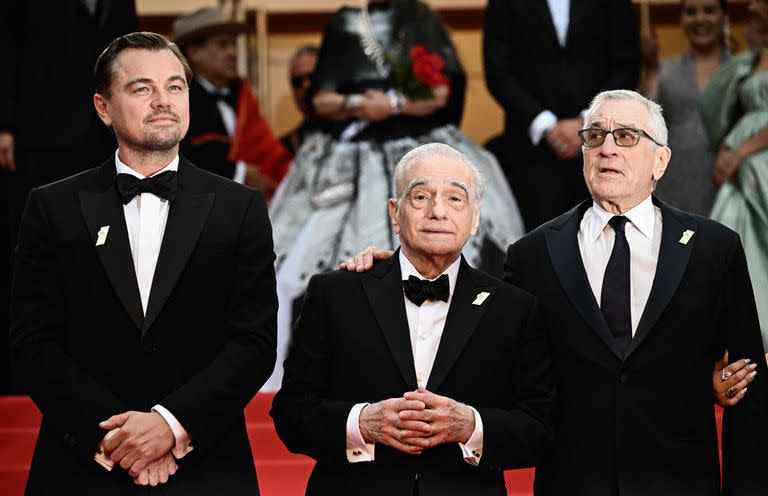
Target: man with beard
x,y
143,305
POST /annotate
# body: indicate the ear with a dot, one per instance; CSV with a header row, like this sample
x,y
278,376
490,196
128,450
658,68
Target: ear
x,y
662,160
100,103
392,207
475,219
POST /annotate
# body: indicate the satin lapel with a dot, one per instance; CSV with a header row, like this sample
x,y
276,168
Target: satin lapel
x,y
384,289
563,248
186,219
102,208
673,260
460,324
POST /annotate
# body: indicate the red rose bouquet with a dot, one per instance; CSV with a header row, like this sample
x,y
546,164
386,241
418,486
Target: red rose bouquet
x,y
416,76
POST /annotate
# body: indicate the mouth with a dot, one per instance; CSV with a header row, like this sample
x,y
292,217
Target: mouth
x,y
611,171
436,231
702,29
162,119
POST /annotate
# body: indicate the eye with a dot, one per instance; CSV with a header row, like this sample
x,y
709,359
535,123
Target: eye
x,y
175,88
595,135
141,90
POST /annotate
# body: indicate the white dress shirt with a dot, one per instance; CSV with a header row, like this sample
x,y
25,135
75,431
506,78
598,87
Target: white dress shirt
x,y
643,233
145,218
425,324
546,120
229,117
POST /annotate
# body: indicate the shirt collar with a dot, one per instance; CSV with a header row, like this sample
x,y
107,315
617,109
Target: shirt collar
x,y
124,169
209,87
407,269
642,216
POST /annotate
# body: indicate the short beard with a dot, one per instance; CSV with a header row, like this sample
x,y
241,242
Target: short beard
x,y
155,142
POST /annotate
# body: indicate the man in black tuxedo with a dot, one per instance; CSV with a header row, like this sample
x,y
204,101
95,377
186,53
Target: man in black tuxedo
x,y
423,376
143,302
544,60
640,299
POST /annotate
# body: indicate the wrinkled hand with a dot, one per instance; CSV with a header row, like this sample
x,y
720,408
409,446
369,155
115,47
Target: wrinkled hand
x,y
142,439
725,166
443,421
363,261
157,472
381,423
563,138
738,375
7,160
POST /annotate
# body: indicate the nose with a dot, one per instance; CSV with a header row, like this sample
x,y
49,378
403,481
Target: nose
x,y
609,146
162,99
437,208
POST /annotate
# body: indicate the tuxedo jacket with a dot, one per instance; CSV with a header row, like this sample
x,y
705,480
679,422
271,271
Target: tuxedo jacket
x,y
84,351
644,424
352,345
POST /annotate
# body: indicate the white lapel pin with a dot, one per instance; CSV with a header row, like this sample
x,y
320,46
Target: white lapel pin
x,y
101,236
686,237
480,298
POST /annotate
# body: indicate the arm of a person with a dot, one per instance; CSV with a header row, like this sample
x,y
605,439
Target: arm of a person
x,y
745,431
69,398
516,437
758,142
208,403
305,419
625,47
501,66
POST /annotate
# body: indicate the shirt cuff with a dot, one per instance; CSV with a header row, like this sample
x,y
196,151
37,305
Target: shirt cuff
x,y
472,450
357,449
183,443
543,122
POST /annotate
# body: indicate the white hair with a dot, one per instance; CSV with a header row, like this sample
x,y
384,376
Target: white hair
x,y
431,150
655,117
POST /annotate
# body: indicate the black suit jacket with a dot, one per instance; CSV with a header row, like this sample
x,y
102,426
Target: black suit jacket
x,y
527,72
645,424
352,345
48,49
83,350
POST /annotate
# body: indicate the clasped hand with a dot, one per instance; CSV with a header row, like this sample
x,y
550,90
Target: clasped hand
x,y
417,421
141,445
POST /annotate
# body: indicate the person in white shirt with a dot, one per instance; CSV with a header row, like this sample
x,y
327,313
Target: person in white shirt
x,y
423,376
144,307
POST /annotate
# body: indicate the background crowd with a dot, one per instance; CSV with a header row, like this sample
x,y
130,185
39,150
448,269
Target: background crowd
x,y
543,62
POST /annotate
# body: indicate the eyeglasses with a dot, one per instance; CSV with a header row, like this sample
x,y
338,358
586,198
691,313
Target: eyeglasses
x,y
298,80
593,137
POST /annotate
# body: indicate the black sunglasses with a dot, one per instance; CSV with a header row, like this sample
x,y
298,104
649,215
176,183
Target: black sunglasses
x,y
593,137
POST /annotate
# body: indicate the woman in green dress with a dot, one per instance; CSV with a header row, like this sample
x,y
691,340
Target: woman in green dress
x,y
734,110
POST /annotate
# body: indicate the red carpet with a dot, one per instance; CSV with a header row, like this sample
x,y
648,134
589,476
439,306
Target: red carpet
x,y
280,472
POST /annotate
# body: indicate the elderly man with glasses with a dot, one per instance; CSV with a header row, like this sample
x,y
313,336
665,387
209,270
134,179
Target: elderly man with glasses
x,y
640,299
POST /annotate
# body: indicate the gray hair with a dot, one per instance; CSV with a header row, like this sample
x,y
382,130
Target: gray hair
x,y
656,119
431,150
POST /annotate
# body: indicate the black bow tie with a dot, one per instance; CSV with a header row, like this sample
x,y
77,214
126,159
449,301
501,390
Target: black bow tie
x,y
420,290
163,185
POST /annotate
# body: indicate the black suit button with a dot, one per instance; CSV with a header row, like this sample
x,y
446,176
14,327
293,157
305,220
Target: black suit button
x,y
624,378
69,440
151,348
